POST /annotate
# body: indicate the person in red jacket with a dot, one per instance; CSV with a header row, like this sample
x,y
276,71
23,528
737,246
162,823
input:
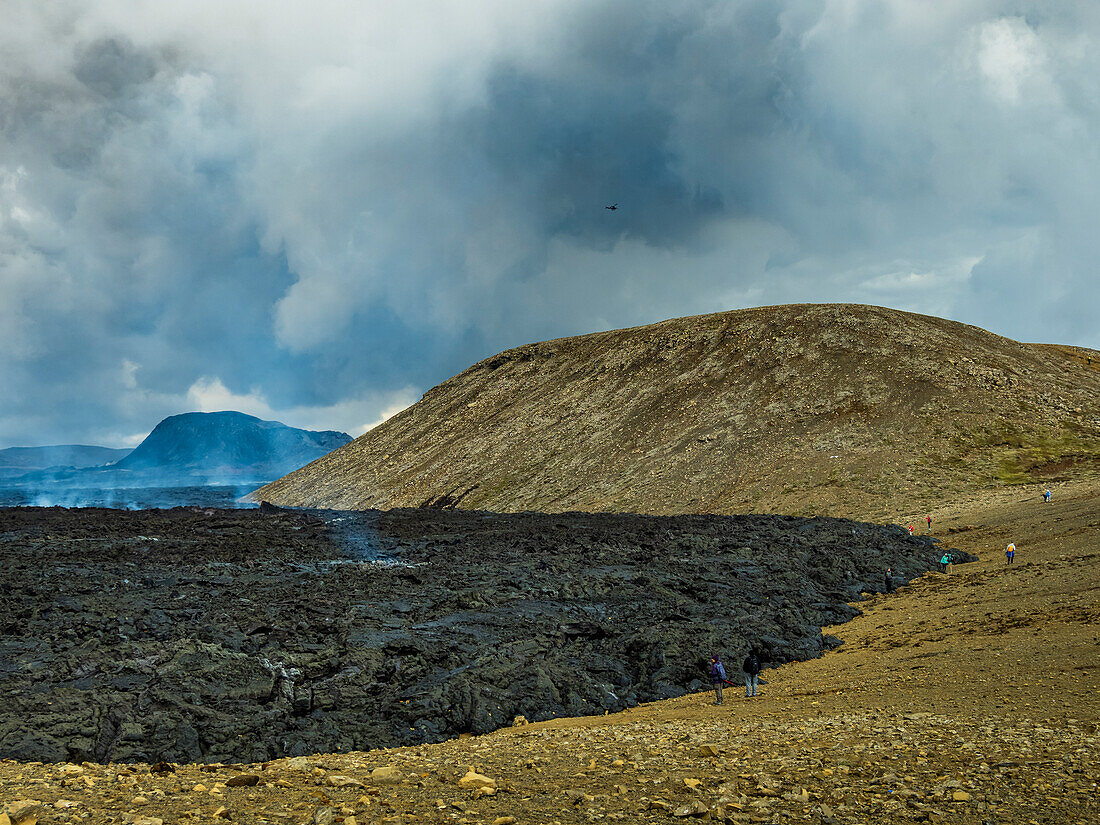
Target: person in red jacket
x,y
929,520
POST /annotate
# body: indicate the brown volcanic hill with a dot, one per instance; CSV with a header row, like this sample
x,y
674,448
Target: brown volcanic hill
x,y
845,409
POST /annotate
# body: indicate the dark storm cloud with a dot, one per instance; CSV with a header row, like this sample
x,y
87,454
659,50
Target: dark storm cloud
x,y
315,215
112,67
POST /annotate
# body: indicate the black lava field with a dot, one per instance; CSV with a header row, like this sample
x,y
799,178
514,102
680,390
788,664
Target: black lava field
x,y
242,635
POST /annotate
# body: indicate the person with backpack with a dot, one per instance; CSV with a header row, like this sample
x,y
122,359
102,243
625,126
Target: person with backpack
x,y
751,667
929,520
717,678
945,560
888,579
1010,553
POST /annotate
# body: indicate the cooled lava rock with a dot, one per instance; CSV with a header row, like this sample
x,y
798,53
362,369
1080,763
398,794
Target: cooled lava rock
x,y
230,635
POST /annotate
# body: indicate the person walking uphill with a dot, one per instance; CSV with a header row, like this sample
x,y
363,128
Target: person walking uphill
x,y
1010,553
717,678
752,673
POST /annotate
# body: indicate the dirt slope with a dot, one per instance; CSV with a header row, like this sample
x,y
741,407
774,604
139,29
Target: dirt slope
x,y
967,698
830,409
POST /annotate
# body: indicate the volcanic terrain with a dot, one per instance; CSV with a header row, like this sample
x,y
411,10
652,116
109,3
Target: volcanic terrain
x,y
806,409
969,698
197,635
229,635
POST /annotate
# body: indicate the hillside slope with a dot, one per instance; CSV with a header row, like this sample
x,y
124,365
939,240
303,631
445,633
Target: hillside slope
x,y
228,442
837,409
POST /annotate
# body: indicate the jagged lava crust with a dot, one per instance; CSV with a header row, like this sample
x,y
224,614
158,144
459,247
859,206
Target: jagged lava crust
x,y
227,635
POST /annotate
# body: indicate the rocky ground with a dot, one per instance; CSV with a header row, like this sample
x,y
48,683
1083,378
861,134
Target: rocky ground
x,y
966,698
214,635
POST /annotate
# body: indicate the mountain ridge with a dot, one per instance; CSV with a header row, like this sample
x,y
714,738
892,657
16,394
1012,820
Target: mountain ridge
x,y
845,407
195,448
228,441
59,455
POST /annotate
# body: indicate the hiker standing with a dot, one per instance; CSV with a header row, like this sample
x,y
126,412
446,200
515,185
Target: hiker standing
x,y
929,520
945,560
752,673
1046,496
717,678
888,579
910,529
1010,553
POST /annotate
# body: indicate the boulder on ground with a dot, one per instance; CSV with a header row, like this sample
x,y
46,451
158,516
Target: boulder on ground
x,y
386,775
473,779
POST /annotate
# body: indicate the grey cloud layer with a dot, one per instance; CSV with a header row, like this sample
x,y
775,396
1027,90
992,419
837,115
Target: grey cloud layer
x,y
320,212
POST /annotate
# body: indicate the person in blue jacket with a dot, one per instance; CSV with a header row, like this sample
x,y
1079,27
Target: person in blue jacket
x,y
717,678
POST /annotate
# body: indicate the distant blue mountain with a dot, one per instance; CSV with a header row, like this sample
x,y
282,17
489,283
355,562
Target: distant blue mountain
x,y
75,456
229,443
188,449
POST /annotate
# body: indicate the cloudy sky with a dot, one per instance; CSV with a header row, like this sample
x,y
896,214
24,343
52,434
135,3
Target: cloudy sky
x,y
315,211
